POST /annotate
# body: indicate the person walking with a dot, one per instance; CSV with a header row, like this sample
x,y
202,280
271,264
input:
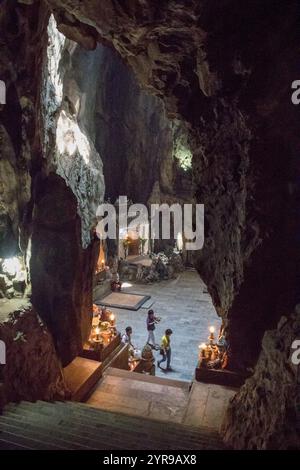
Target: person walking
x,y
165,350
151,322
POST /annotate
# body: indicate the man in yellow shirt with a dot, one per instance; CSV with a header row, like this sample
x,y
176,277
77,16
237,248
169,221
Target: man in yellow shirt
x,y
165,349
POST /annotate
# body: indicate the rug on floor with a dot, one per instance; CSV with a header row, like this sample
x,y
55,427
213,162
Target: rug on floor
x,y
128,301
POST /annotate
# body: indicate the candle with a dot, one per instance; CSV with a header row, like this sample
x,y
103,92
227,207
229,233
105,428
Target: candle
x,y
97,331
211,335
112,319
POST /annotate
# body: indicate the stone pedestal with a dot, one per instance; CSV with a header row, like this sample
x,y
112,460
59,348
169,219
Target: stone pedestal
x,y
220,377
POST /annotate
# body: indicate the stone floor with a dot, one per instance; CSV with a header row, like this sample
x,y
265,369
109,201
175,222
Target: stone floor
x,y
191,404
183,306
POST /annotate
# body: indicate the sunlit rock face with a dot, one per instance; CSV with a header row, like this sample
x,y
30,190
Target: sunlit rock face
x,y
139,145
67,144
218,67
66,195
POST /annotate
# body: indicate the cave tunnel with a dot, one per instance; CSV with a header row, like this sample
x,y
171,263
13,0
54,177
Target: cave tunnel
x,y
181,104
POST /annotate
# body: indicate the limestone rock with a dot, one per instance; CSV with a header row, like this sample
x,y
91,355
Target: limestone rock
x,y
32,370
265,413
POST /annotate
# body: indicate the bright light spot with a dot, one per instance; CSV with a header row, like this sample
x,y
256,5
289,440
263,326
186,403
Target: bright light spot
x,y
184,156
54,50
12,266
126,284
70,139
202,346
211,329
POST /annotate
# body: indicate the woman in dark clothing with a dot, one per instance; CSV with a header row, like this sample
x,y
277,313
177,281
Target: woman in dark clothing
x,y
151,321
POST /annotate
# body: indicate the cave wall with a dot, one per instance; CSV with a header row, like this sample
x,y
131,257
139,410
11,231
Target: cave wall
x,y
129,127
22,45
47,199
32,370
264,414
133,134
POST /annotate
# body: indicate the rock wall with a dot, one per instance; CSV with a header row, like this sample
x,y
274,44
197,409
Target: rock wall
x,y
68,147
33,153
133,134
61,270
22,45
128,126
32,370
265,413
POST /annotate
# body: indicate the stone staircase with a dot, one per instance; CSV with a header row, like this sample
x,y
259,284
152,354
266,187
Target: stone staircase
x,y
124,410
72,425
167,400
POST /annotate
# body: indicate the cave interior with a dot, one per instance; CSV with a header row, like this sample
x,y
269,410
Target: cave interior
x,y
177,102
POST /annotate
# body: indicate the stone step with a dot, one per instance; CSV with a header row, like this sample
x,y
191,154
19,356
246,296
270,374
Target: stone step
x,y
147,378
141,395
7,445
24,427
110,384
118,418
71,425
90,422
67,435
81,375
207,404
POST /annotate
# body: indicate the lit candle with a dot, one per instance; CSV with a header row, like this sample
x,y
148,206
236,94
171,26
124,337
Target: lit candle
x,y
102,263
97,331
211,335
112,319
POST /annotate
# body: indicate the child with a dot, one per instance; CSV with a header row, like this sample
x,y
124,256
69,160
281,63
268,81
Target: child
x,y
165,349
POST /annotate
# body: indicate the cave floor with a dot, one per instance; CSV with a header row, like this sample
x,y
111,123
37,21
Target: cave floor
x,y
185,307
